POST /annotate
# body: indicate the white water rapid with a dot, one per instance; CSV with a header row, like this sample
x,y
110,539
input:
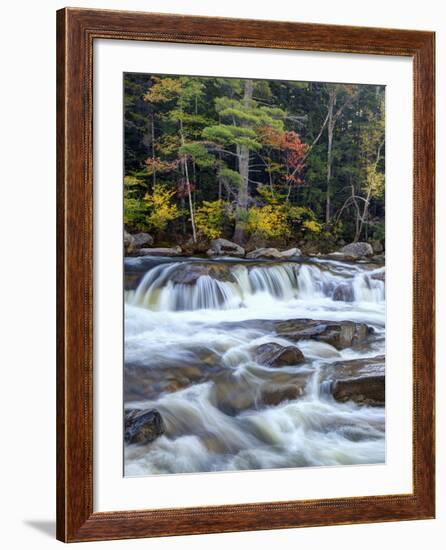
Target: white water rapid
x,y
192,328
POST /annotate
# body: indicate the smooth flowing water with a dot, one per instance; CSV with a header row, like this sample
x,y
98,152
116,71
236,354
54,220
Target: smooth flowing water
x,y
192,328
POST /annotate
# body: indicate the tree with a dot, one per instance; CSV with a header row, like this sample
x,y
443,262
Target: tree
x,y
284,156
182,95
371,146
334,95
236,135
219,143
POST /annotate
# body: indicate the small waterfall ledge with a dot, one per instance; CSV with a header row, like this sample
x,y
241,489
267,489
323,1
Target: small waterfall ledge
x,y
190,286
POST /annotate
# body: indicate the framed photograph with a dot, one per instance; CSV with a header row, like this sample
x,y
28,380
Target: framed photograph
x,y
245,275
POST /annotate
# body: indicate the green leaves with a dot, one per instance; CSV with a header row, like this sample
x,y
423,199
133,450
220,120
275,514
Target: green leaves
x,y
198,153
231,176
251,144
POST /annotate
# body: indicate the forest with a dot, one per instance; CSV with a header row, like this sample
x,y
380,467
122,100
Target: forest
x,y
258,162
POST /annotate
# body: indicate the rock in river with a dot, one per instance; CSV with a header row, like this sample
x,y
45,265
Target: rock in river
x,y
223,247
270,253
176,251
340,334
379,274
343,293
290,253
141,240
358,380
366,390
142,426
129,243
188,274
234,394
274,395
275,355
357,250
273,254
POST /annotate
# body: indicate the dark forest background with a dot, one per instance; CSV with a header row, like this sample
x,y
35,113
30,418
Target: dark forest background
x,y
256,161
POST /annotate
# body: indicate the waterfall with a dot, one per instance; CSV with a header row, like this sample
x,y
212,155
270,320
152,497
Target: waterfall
x,y
367,289
193,329
160,290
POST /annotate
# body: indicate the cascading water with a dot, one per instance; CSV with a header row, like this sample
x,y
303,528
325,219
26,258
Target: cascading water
x,y
285,282
193,329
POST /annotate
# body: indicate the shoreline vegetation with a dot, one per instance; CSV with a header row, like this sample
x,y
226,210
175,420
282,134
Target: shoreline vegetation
x,y
262,164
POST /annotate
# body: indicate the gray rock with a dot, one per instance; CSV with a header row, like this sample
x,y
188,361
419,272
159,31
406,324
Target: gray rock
x,y
343,293
188,274
155,376
274,254
341,334
291,253
367,390
142,426
234,394
223,247
358,380
271,253
276,394
129,243
379,275
176,251
275,355
142,240
377,247
357,250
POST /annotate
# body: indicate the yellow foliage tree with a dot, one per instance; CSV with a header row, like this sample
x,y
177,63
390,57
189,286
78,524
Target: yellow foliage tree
x,y
210,218
160,207
267,221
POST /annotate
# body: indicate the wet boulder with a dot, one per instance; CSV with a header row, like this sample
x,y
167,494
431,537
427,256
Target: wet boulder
x,y
344,334
358,380
343,293
175,251
367,390
377,247
223,247
189,273
275,355
273,395
290,253
357,250
233,394
142,240
129,243
267,253
339,334
273,254
379,275
142,426
159,376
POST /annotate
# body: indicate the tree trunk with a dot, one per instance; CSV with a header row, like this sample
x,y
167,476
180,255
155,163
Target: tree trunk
x,y
330,129
153,148
189,194
243,192
332,118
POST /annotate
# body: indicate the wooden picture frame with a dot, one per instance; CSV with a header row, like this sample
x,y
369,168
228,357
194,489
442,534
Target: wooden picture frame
x,y
76,31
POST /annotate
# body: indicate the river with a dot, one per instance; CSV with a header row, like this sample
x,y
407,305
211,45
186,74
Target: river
x,y
193,330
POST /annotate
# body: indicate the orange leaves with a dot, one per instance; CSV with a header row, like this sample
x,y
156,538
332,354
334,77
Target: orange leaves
x,y
294,156
290,148
158,165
